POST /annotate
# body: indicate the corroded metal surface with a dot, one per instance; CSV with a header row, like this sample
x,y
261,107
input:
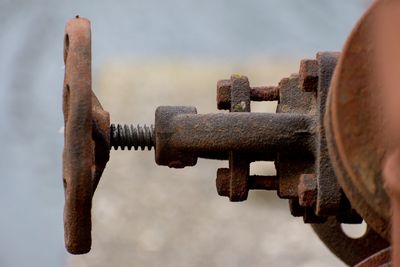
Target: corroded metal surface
x,y
239,162
354,126
259,93
379,259
307,190
363,122
296,138
290,164
349,250
309,75
86,147
258,133
388,67
329,193
392,185
315,74
167,154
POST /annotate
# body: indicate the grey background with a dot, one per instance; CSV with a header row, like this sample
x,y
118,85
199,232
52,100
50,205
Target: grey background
x,y
229,33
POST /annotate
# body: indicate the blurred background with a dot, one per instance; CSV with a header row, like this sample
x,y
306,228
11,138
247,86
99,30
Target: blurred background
x,y
146,54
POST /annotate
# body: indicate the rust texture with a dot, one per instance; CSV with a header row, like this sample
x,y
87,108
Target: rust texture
x,y
293,137
307,190
392,185
326,194
239,164
246,132
86,147
255,182
379,259
290,166
355,133
263,182
335,124
309,72
242,137
388,66
259,93
349,250
329,193
264,93
362,123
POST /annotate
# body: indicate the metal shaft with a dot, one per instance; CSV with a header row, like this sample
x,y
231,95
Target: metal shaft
x,y
244,132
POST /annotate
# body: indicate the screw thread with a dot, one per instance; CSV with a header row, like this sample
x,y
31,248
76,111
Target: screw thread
x,y
132,136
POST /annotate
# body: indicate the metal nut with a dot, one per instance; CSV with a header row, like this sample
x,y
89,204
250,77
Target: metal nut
x,y
223,182
224,94
308,75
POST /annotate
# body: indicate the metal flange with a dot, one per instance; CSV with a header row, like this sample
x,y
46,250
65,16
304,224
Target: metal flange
x,y
354,122
349,250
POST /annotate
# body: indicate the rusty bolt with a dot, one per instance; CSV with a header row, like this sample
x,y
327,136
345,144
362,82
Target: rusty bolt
x,y
232,184
308,75
264,93
256,182
263,182
307,190
261,93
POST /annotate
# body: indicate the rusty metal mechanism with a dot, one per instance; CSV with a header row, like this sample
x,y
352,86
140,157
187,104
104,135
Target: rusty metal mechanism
x,y
334,127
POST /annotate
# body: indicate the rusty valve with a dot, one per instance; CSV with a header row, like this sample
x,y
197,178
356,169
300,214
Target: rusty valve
x,y
327,156
292,138
179,136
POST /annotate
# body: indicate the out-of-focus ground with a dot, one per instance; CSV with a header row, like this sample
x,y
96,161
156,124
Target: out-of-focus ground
x,y
148,53
145,215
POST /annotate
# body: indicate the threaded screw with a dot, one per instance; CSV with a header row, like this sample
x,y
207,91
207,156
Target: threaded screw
x,y
132,136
